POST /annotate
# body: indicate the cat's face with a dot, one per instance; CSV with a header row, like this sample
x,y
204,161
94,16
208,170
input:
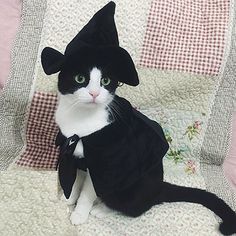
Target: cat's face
x,y
87,87
89,76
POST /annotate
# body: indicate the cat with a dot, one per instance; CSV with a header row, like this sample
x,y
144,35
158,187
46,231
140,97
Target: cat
x,y
120,149
82,113
90,108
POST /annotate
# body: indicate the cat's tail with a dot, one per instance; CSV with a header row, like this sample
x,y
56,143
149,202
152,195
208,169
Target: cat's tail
x,y
174,193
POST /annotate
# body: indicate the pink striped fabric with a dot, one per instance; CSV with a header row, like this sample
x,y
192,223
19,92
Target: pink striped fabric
x,y
41,151
186,35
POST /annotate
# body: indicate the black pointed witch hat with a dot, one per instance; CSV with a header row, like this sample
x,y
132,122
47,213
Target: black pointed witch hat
x,y
99,31
100,37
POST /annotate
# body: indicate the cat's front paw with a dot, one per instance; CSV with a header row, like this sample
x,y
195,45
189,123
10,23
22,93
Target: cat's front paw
x,y
69,202
78,217
101,210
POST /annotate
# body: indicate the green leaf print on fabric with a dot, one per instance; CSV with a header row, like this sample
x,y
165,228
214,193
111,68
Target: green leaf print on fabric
x,y
193,130
176,153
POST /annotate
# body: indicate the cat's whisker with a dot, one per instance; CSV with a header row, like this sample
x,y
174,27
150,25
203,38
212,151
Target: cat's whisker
x,y
110,112
78,102
116,107
74,104
117,103
117,113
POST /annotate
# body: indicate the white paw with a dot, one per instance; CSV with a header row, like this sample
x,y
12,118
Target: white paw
x,y
78,217
70,201
101,211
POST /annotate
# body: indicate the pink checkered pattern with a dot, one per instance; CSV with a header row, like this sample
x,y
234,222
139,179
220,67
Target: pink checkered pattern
x,y
186,35
41,132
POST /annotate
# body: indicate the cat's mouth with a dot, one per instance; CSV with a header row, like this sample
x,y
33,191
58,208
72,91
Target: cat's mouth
x,y
93,102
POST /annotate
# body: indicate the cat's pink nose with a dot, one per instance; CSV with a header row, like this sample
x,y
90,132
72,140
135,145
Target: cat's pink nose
x,y
94,94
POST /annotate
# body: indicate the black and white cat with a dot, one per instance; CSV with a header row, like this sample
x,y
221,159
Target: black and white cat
x,y
100,132
83,112
88,110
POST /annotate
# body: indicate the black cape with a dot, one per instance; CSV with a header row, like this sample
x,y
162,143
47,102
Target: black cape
x,y
116,156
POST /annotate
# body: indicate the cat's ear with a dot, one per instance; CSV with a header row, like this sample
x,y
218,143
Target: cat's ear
x,y
52,60
122,66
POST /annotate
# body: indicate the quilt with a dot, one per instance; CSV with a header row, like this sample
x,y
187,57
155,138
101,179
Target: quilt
x,y
185,54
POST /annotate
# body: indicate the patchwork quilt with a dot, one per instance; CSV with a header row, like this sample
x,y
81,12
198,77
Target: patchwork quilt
x,y
185,54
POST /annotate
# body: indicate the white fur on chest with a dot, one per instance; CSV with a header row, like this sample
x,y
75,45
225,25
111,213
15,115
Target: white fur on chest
x,y
80,121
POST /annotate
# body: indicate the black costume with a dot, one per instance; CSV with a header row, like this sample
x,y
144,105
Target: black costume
x,y
117,155
122,152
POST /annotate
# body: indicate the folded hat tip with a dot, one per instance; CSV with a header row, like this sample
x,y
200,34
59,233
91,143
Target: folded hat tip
x,y
111,5
108,9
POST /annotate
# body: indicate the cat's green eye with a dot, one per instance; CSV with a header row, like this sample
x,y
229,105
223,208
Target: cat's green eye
x,y
105,81
80,79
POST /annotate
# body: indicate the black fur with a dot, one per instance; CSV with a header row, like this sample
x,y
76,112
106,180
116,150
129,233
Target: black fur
x,y
83,63
150,191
